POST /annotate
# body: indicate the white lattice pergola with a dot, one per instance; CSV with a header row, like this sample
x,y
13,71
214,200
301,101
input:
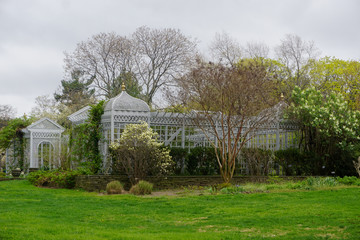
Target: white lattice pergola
x,y
43,146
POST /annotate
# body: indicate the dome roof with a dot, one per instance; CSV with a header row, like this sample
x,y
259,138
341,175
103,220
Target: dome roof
x,y
125,102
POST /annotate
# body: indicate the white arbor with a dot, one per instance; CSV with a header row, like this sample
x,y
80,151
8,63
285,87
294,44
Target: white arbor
x,y
42,146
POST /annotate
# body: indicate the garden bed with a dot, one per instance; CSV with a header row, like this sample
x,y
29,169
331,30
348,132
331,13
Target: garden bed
x,y
98,182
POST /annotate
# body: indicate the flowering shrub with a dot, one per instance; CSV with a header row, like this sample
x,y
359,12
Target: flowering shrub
x,y
330,130
138,154
331,115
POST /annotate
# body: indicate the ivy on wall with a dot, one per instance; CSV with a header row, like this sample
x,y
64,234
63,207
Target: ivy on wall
x,y
85,138
12,136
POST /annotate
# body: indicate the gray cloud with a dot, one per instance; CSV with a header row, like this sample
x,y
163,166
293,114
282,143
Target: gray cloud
x,y
34,34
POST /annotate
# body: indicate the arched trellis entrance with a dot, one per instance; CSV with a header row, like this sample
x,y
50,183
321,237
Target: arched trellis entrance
x,y
42,146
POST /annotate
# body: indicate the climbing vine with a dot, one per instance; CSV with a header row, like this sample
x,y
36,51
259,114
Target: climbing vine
x,y
12,136
85,138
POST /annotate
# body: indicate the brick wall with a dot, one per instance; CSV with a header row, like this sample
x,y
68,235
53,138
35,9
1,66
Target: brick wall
x,y
98,182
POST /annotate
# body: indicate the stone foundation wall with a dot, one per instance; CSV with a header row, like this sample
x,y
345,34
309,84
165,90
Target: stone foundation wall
x,y
98,182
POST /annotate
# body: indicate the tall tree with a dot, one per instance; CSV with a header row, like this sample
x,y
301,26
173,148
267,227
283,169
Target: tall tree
x,y
330,130
232,102
226,50
75,93
257,50
161,56
101,58
7,112
296,57
45,106
335,75
132,85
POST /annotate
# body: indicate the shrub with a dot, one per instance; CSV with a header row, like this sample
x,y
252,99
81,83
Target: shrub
x,y
138,154
141,188
53,178
292,162
257,160
315,182
349,180
232,190
114,187
202,161
178,155
2,174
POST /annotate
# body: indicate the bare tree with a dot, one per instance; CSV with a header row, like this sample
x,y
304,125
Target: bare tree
x,y
46,106
161,56
257,50
7,112
225,49
102,58
231,103
296,56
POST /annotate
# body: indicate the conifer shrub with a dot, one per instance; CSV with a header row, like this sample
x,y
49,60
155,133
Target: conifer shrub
x,y
141,188
114,187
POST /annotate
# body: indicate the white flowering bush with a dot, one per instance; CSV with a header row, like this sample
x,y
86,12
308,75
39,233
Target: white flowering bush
x,y
138,153
330,127
331,115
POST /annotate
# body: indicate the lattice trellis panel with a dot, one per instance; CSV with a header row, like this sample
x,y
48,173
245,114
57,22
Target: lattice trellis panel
x,y
129,119
45,135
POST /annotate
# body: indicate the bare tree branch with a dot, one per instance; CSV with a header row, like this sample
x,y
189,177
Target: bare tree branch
x,y
226,50
161,56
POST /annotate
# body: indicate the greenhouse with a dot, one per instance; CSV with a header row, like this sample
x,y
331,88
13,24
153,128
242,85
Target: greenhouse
x,y
179,129
43,139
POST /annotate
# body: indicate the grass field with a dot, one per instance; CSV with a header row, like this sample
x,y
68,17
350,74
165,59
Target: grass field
x,y
27,212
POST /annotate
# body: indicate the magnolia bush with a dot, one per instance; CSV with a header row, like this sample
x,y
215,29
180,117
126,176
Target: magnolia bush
x,y
138,153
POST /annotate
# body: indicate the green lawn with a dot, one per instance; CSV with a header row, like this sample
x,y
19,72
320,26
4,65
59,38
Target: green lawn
x,y
27,212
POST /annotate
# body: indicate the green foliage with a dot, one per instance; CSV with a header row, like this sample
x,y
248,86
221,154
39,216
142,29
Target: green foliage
x,y
131,83
13,131
320,182
2,174
352,180
85,138
53,178
232,190
335,75
142,188
293,162
12,135
178,155
218,187
330,130
138,154
257,160
114,187
330,115
202,161
76,91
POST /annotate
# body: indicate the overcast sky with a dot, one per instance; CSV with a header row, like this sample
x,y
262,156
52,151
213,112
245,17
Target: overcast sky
x,y
35,33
